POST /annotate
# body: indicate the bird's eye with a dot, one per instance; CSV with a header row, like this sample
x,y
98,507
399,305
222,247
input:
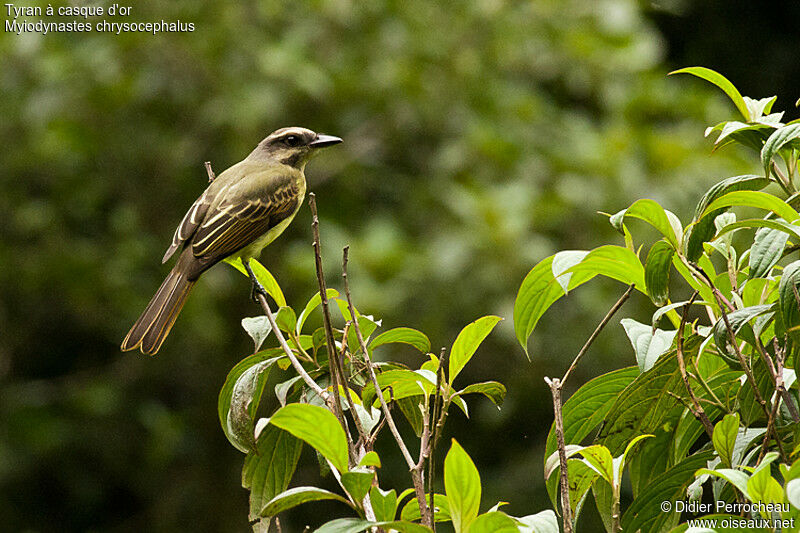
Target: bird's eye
x,y
292,140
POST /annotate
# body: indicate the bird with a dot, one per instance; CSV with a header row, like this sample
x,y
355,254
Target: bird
x,y
243,210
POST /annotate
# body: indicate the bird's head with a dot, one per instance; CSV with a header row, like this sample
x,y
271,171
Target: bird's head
x,y
292,146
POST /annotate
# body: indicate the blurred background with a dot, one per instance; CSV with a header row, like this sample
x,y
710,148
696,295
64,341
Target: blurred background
x,y
479,139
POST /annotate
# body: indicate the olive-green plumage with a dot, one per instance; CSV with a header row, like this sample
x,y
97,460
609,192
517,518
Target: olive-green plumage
x,y
244,209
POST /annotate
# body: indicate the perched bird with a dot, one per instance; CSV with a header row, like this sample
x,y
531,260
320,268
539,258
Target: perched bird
x,y
243,210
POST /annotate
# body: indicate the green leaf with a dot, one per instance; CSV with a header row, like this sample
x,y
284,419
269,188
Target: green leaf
x,y
286,319
757,199
766,251
263,276
297,496
463,487
468,341
283,388
258,328
563,261
384,503
599,458
312,304
581,479
415,338
240,396
702,229
622,460
656,272
543,522
758,108
788,289
647,344
643,405
791,230
779,138
404,384
762,487
737,478
615,262
357,525
370,459
749,408
720,81
793,492
316,426
739,322
644,513
724,438
542,286
651,212
410,409
441,508
494,522
268,470
358,482
536,294
491,389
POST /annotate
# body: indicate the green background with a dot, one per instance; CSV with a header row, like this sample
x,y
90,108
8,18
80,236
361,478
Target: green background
x,y
479,138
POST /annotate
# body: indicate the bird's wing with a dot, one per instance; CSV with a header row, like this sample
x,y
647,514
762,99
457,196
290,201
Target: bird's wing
x,y
239,219
189,224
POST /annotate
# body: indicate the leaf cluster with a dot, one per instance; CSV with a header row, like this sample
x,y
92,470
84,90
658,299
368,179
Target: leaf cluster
x,y
712,400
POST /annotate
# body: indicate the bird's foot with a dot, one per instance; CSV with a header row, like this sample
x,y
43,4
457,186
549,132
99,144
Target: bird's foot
x,y
256,288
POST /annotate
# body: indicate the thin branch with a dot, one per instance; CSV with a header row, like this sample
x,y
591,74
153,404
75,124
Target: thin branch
x,y
597,331
282,341
697,409
436,411
787,398
771,431
356,420
739,355
776,373
555,385
416,474
326,318
211,175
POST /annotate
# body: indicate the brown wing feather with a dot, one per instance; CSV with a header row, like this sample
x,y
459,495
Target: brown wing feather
x,y
235,224
194,216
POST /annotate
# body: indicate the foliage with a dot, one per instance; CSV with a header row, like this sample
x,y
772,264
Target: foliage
x,y
727,355
317,417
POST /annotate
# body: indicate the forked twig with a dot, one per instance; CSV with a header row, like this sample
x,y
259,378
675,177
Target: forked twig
x,y
696,409
556,385
414,468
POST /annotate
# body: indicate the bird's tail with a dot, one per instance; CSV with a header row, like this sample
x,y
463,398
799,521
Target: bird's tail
x,y
152,327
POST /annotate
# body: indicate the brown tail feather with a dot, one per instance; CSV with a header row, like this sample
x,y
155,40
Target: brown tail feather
x,y
150,330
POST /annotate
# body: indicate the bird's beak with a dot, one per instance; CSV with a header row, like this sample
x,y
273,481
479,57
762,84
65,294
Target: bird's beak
x,y
324,140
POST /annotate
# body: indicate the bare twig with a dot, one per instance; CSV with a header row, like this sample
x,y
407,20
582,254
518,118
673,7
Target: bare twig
x,y
555,385
787,398
326,319
740,355
597,331
776,373
414,468
436,412
771,431
364,438
697,409
211,175
282,341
